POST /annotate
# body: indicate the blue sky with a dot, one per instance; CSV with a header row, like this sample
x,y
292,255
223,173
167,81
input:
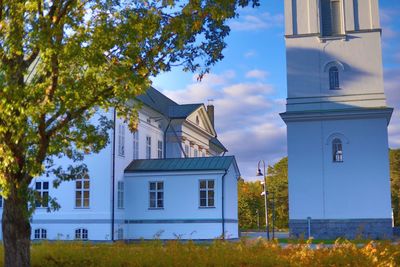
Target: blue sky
x,y
249,85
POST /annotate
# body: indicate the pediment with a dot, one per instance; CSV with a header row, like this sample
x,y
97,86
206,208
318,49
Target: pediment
x,y
200,119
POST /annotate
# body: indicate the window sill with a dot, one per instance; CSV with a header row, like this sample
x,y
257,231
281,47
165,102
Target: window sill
x,y
155,208
324,39
82,208
207,207
335,89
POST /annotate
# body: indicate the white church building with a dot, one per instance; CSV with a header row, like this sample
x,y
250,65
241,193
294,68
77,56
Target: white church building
x,y
337,118
168,180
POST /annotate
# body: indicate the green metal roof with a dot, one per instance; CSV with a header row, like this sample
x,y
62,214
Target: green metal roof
x,y
182,164
182,111
157,101
214,141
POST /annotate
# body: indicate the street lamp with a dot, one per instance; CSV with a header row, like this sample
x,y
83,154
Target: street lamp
x,y
265,193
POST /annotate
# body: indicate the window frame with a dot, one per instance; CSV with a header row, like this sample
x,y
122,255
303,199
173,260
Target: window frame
x,y
82,191
148,147
40,234
120,194
331,33
207,189
135,145
160,150
156,199
337,146
334,78
121,140
41,192
80,234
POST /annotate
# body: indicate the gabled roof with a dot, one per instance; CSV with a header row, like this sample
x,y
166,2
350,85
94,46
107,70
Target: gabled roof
x,y
182,111
182,164
157,101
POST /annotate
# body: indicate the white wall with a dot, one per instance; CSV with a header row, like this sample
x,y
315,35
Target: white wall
x,y
361,79
322,189
181,202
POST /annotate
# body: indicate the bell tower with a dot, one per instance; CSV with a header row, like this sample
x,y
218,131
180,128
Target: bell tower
x,y
337,118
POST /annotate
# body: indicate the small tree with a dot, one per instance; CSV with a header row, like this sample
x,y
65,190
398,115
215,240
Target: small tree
x,y
63,60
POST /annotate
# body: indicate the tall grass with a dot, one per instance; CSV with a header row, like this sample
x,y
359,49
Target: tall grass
x,y
242,253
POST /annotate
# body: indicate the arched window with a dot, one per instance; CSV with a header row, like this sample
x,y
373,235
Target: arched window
x,y
81,234
337,150
40,233
334,78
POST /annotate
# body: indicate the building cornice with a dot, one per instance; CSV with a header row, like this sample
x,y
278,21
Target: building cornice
x,y
318,115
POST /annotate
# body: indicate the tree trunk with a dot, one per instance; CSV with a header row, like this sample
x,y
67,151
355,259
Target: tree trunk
x,y
16,230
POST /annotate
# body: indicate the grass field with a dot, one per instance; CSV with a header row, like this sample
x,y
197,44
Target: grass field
x,y
218,253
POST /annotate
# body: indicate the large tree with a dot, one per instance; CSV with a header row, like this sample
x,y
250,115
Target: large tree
x,y
63,60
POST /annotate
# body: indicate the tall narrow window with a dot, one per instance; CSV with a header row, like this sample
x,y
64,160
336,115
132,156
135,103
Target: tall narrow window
x,y
81,234
136,145
148,147
207,188
1,201
156,195
195,153
40,234
160,149
337,150
121,140
187,151
82,187
120,197
331,17
334,78
42,194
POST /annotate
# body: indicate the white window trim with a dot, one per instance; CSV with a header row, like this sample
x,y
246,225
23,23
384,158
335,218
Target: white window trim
x,y
82,190
121,140
148,147
156,191
135,148
80,232
207,206
41,232
120,194
41,192
160,149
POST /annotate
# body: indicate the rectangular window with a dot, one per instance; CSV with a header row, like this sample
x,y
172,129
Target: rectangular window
x,y
42,194
136,145
203,154
160,149
156,195
148,147
195,152
207,189
82,193
331,17
40,234
81,234
187,151
121,140
120,195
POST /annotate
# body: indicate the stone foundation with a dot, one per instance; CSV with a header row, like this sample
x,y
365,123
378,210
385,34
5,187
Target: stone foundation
x,y
346,228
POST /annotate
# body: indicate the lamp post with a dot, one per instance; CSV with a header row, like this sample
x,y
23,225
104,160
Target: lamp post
x,y
265,193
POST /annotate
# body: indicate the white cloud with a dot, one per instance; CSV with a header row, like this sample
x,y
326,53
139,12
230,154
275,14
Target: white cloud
x,y
250,53
246,118
257,74
260,22
392,90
